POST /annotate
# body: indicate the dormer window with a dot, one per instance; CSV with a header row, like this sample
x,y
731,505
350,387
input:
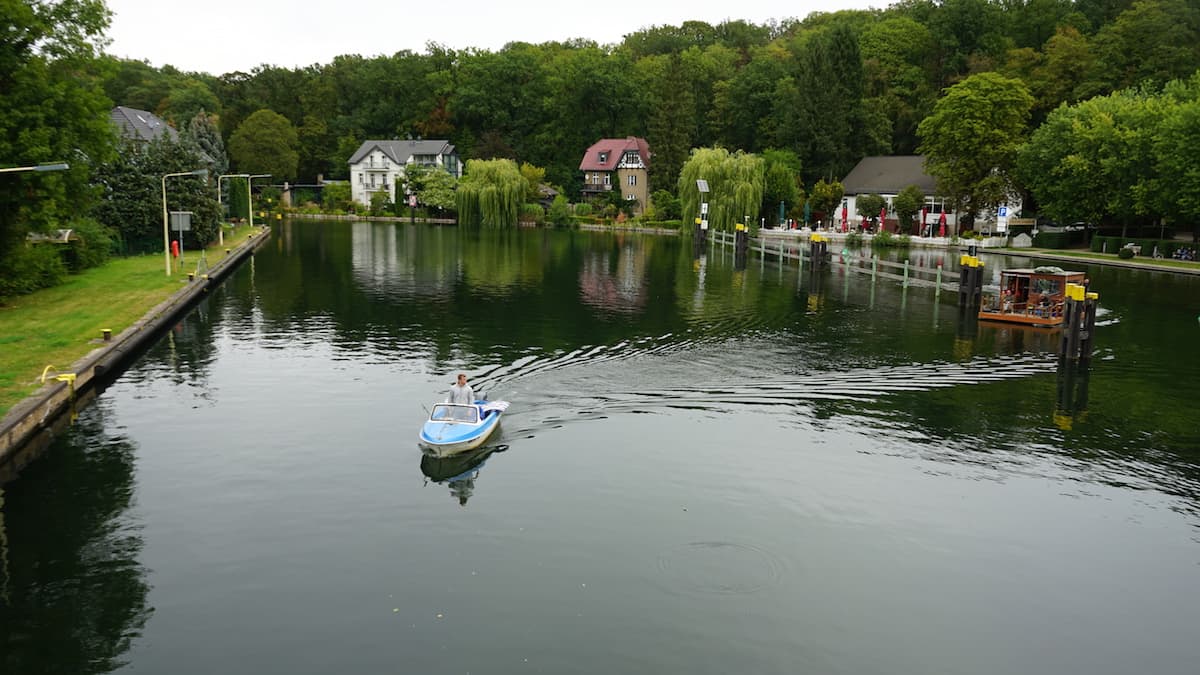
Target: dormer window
x,y
603,157
632,158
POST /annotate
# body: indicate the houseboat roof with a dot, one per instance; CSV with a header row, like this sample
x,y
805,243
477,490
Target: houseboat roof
x,y
1041,271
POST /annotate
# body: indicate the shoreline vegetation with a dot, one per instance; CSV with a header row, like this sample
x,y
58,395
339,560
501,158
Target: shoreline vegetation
x,y
59,325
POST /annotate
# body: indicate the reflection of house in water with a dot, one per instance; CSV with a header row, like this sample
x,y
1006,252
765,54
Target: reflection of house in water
x,y
622,289
382,263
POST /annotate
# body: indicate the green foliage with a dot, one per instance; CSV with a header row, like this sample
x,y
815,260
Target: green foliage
x,y
29,268
490,194
186,100
202,133
560,211
132,191
666,205
93,248
869,206
381,203
971,140
534,177
1166,247
826,197
854,240
434,186
583,209
908,204
533,213
236,197
52,109
335,197
780,183
266,143
735,182
886,239
1125,253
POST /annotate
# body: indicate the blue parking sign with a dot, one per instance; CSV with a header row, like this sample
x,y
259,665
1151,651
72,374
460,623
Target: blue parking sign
x,y
1003,212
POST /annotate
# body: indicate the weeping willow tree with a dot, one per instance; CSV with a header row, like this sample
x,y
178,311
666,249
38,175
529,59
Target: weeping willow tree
x,y
490,193
735,184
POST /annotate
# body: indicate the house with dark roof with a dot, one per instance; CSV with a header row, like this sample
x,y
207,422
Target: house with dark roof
x,y
887,176
618,163
377,165
140,126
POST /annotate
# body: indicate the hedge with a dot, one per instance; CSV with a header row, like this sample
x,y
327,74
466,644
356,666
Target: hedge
x,y
1113,244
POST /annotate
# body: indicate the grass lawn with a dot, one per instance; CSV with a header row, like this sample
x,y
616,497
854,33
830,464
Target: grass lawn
x,y
56,326
1091,255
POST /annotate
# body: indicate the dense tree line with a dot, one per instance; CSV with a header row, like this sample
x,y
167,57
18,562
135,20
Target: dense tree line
x,y
824,91
831,87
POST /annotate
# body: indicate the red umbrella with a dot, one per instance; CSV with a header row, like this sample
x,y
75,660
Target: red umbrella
x,y
845,215
942,224
882,217
921,225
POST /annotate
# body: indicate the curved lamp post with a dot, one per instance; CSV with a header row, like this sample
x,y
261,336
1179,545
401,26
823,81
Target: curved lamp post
x,y
249,197
166,236
59,166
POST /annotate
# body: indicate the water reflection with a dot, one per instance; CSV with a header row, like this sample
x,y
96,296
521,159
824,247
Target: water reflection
x,y
458,472
75,595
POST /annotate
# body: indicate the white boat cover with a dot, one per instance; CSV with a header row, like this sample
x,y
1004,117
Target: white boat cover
x,y
498,406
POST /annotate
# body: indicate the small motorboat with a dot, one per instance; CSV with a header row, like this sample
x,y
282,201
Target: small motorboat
x,y
457,427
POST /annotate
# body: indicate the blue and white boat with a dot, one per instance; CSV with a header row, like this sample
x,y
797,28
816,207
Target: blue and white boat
x,y
457,427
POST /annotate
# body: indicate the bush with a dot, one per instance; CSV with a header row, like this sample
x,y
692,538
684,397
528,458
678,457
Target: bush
x,y
379,203
1166,248
560,211
532,213
29,268
883,240
93,248
583,209
1125,253
854,240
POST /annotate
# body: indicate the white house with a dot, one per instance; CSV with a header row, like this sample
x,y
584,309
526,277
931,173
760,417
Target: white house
x,y
887,176
377,165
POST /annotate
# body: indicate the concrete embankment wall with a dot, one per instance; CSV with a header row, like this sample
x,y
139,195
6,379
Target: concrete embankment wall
x,y
32,422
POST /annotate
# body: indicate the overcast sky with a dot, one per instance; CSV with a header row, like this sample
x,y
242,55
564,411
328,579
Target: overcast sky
x,y
220,36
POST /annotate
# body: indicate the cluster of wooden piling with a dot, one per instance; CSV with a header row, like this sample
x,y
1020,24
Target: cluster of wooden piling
x,y
1079,323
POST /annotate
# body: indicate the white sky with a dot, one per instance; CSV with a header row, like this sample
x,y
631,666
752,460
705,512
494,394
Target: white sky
x,y
219,36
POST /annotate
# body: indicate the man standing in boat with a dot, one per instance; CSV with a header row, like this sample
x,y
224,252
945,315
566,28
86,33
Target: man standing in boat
x,y
461,392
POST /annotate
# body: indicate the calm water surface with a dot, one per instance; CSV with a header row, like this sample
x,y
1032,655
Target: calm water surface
x,y
703,470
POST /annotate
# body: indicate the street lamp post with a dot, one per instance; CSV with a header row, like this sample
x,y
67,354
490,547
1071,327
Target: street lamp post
x,y
166,235
249,198
220,229
58,166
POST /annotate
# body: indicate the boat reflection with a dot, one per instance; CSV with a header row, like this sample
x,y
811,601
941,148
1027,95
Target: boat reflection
x,y
459,471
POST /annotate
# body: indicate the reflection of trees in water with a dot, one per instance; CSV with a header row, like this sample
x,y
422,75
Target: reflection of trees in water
x,y
74,592
189,348
404,261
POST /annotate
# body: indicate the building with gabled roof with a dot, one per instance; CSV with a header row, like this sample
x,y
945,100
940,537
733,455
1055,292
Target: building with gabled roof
x,y
377,165
140,126
618,163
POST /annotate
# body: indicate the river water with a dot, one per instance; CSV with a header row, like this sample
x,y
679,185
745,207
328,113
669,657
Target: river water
x,y
704,470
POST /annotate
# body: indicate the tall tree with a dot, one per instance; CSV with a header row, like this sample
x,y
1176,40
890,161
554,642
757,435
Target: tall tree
x,y
970,140
265,143
490,194
202,133
54,110
735,182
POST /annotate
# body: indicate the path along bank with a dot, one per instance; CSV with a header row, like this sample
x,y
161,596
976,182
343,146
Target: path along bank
x,y
29,425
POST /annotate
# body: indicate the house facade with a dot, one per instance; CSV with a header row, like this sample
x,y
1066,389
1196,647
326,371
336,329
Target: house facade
x,y
377,165
887,176
621,164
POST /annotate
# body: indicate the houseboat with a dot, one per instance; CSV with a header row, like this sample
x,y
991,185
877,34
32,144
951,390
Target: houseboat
x,y
1033,297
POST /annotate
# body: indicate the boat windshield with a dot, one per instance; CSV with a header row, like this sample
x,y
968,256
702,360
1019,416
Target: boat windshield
x,y
450,412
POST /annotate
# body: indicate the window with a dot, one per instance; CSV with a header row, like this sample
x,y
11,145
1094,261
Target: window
x,y
361,179
632,179
608,179
632,157
603,157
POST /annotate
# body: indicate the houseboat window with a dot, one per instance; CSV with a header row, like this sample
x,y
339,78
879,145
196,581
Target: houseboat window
x,y
1047,286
